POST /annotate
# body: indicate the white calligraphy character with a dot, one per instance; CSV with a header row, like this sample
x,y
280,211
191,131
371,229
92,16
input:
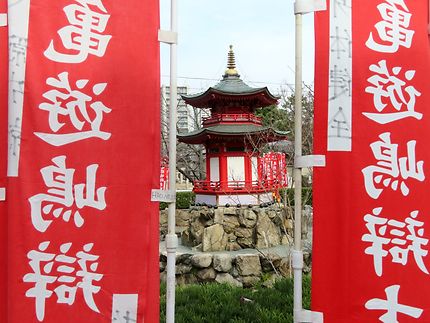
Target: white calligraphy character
x,y
393,30
41,263
84,35
389,91
83,113
392,307
390,170
87,273
59,180
67,274
397,238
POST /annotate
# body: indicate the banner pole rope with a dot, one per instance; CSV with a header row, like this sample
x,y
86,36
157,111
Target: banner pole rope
x,y
171,238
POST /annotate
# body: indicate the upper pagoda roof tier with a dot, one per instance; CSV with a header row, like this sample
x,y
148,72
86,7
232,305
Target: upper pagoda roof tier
x,y
232,89
230,132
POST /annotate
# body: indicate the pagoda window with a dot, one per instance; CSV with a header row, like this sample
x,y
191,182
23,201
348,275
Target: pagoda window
x,y
254,169
214,169
236,170
213,150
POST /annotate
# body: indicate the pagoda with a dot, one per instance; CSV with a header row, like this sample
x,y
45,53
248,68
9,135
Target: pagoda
x,y
233,137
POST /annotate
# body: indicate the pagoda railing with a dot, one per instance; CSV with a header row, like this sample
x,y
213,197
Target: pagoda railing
x,y
232,117
237,187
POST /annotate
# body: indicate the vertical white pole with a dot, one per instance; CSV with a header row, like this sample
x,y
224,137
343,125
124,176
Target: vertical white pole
x,y
297,173
171,238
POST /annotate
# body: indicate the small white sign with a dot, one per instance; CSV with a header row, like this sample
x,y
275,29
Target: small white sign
x,y
163,196
124,308
2,194
306,6
3,20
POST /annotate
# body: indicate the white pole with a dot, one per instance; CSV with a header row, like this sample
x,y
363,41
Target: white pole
x,y
171,238
297,173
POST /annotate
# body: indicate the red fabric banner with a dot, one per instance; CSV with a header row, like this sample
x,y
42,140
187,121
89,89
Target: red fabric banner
x,y
3,155
371,210
83,234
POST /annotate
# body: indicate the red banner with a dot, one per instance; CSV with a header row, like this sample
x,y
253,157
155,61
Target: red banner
x,y
371,210
3,154
83,234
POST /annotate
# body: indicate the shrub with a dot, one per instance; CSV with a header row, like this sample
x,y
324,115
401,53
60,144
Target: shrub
x,y
224,304
306,196
183,200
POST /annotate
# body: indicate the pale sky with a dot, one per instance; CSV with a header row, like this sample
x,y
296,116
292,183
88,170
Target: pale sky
x,y
262,34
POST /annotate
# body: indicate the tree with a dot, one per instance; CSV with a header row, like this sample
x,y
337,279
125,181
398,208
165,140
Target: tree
x,y
282,118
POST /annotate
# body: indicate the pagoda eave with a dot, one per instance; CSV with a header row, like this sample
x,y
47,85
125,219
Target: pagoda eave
x,y
257,98
205,135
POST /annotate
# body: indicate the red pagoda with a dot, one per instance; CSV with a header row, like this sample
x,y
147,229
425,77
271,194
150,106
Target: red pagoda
x,y
233,137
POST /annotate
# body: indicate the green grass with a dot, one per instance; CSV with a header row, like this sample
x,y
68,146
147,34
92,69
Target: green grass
x,y
214,303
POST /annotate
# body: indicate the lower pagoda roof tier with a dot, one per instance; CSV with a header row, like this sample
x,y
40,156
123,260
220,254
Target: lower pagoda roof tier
x,y
230,90
232,132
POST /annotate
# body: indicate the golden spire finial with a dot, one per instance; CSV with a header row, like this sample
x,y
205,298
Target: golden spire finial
x,y
231,64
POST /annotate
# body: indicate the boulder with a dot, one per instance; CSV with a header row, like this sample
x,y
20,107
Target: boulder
x,y
181,269
207,274
243,232
284,268
245,242
224,278
186,279
230,223
270,262
214,238
268,235
222,262
247,218
248,265
183,218
218,216
229,210
201,260
250,281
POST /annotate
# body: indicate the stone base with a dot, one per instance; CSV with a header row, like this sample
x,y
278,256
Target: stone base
x,y
236,269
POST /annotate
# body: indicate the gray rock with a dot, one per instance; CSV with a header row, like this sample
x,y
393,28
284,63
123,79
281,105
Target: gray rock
x,y
271,214
224,278
207,274
229,210
250,281
230,223
222,262
183,269
268,235
184,258
243,232
183,218
233,246
270,262
248,265
201,260
218,216
247,218
186,279
214,238
246,242
284,268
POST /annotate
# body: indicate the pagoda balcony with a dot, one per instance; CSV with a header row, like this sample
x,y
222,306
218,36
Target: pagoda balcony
x,y
216,118
237,187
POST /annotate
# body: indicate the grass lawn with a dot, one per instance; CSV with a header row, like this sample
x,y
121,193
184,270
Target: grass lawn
x,y
214,303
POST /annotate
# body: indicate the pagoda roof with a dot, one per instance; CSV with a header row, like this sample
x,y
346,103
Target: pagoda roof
x,y
232,88
232,131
